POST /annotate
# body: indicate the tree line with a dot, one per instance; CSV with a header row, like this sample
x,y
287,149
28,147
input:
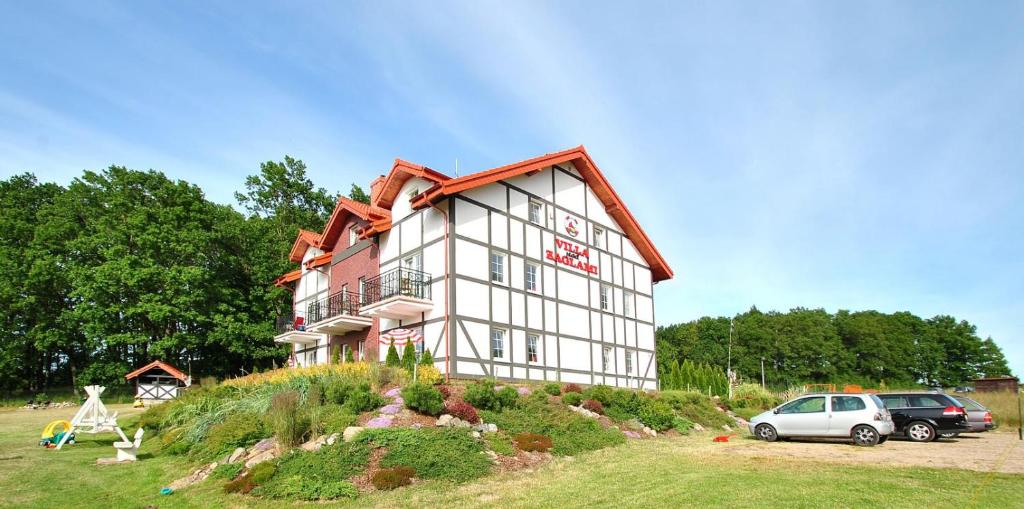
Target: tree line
x,y
121,267
814,346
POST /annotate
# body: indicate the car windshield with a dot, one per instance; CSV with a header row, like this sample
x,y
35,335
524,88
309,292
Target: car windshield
x,y
970,404
878,401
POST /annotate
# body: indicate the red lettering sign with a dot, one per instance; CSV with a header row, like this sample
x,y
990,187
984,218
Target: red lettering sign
x,y
572,255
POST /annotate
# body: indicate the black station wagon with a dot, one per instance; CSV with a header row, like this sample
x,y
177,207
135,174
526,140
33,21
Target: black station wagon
x,y
922,417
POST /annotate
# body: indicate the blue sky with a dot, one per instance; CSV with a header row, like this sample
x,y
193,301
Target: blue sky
x,y
828,154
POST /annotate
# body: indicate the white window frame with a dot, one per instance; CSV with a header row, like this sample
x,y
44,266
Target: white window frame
x,y
538,207
629,362
353,237
606,358
599,237
499,275
414,262
627,303
413,192
535,279
533,348
604,297
498,343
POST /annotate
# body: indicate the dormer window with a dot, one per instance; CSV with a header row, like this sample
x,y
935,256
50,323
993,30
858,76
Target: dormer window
x,y
413,193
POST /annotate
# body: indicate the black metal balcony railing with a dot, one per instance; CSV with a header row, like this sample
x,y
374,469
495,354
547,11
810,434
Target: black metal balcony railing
x,y
341,303
289,322
400,281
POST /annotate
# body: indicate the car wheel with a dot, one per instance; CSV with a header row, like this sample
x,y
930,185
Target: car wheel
x,y
766,432
920,432
865,436
883,438
952,434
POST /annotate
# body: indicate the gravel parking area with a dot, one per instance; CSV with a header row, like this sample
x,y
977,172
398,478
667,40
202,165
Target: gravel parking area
x,y
984,452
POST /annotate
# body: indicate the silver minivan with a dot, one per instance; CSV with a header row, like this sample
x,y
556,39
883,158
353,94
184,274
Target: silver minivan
x,y
861,417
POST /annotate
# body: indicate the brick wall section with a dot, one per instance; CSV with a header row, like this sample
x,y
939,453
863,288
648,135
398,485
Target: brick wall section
x,y
363,264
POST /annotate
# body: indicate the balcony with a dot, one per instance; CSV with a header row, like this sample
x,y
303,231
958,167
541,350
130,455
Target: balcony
x,y
336,314
397,294
292,329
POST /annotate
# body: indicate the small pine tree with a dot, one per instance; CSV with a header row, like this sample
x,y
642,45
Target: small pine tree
x,y
409,357
349,357
392,357
426,359
335,356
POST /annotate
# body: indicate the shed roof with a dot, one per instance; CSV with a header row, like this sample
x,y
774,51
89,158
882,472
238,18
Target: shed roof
x,y
173,371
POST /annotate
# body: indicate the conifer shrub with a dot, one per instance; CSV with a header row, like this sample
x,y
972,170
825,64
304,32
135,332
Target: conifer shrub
x,y
532,442
423,399
462,410
337,392
391,478
427,359
409,356
572,398
238,430
553,388
349,356
600,393
594,406
508,397
392,359
363,399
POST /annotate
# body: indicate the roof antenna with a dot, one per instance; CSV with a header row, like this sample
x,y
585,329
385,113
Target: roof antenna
x,y
456,166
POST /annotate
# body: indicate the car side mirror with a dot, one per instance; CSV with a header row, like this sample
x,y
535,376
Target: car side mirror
x,y
776,411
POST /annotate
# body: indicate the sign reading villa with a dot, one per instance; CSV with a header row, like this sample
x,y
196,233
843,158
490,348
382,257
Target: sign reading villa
x,y
569,253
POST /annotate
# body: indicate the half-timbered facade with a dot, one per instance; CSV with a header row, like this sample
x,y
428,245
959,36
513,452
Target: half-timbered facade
x,y
531,271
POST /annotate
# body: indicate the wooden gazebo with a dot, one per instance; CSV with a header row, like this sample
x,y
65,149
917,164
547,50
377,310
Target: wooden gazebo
x,y
158,381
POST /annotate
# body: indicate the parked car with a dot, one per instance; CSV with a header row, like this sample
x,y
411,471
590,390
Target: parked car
x,y
963,389
923,416
861,417
979,418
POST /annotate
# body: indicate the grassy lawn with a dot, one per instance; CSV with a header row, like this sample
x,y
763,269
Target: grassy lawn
x,y
681,472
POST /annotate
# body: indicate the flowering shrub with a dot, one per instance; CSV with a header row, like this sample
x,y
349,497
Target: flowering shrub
x,y
572,388
532,442
462,410
594,406
428,375
284,375
391,478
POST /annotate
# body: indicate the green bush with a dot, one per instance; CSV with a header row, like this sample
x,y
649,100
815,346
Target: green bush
x,y
392,360
238,430
335,418
391,478
500,443
285,418
427,359
349,356
423,399
409,357
451,454
483,396
572,398
752,396
553,388
696,407
655,414
227,471
152,420
363,399
600,393
301,488
331,463
682,425
338,392
570,432
747,413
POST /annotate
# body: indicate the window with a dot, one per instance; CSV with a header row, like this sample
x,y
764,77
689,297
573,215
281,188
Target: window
x,y
627,303
535,214
927,401
599,237
606,358
413,192
894,401
414,262
605,290
847,403
353,237
419,349
497,267
362,290
804,406
531,276
497,343
531,347
629,362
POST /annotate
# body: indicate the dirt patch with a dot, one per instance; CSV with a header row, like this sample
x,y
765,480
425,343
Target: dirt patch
x,y
362,481
522,460
983,452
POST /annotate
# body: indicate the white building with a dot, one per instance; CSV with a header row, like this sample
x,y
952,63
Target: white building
x,y
531,271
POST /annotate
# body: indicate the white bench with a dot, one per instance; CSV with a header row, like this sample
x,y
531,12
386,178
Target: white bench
x,y
126,451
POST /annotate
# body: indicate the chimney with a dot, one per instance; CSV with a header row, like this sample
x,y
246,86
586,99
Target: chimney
x,y
375,188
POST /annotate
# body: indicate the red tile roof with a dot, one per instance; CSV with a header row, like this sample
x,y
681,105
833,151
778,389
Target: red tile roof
x,y
588,169
342,210
304,239
173,371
